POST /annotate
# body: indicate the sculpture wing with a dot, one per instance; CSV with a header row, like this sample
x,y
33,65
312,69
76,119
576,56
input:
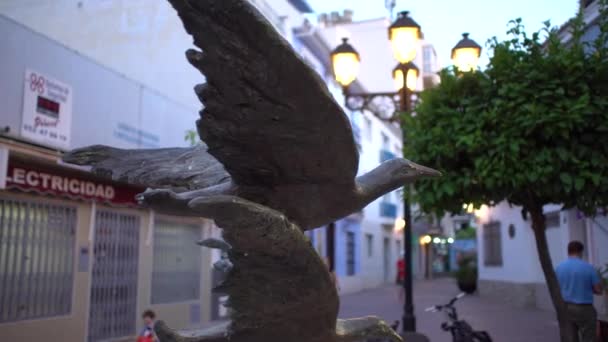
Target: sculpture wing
x,y
268,117
279,288
178,169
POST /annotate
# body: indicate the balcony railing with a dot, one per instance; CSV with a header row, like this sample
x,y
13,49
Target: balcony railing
x,y
386,155
388,209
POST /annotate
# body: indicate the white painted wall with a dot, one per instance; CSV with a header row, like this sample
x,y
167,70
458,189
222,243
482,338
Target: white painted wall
x,y
597,242
520,259
597,239
142,39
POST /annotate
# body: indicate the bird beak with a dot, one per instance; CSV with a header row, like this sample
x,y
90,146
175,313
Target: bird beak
x,y
423,170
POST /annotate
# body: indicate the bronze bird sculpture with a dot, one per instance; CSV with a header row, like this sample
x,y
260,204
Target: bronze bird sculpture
x,y
278,158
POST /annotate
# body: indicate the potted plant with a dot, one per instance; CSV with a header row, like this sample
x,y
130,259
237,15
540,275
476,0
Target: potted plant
x,y
466,275
466,233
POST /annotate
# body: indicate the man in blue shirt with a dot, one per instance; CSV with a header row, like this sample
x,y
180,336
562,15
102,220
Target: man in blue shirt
x,y
578,281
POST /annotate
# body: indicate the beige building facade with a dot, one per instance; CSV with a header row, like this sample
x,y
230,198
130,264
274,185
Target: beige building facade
x,y
83,267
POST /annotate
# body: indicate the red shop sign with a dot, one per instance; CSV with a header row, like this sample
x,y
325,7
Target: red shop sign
x,y
67,183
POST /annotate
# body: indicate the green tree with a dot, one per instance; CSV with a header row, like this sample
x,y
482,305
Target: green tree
x,y
532,129
192,137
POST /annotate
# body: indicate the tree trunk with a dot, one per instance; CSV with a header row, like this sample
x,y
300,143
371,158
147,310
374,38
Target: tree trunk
x,y
539,227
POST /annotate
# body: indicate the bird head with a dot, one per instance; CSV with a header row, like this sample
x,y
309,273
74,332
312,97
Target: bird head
x,y
361,329
388,176
407,171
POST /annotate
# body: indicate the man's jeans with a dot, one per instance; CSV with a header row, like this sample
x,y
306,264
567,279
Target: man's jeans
x,y
584,321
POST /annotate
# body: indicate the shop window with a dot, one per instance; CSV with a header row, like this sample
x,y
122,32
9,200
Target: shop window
x,y
176,270
36,260
350,253
492,241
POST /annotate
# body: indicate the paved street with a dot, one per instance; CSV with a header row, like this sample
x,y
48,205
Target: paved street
x,y
505,324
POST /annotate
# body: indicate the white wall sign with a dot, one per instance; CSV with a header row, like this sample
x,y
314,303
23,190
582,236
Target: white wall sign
x,y
47,110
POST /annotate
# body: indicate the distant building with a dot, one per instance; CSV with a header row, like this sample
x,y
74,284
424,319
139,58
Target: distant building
x,y
382,220
430,66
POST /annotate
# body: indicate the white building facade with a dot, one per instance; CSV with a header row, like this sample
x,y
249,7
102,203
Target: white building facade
x,y
382,220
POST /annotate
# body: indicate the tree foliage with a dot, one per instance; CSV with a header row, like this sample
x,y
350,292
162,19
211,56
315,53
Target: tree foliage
x,y
191,137
532,128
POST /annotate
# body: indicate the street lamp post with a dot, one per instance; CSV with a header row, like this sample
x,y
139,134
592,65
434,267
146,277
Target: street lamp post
x,y
404,35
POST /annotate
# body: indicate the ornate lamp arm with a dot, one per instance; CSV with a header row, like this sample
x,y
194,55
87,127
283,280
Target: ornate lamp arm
x,y
384,105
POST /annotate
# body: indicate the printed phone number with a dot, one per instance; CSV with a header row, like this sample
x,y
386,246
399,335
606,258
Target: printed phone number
x,y
44,133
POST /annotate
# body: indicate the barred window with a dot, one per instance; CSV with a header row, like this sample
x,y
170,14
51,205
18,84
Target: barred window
x,y
36,259
492,244
176,272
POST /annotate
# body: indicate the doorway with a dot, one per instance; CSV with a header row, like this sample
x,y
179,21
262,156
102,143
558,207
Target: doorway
x,y
113,297
387,259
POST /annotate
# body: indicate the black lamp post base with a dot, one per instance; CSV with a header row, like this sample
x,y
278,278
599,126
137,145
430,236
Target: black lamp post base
x,y
408,323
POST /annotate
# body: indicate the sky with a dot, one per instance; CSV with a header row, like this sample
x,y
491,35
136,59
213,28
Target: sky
x,y
443,21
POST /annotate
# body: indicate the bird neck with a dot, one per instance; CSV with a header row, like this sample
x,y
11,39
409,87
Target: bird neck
x,y
381,180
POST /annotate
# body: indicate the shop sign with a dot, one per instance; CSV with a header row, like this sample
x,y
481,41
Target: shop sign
x,y
56,181
47,110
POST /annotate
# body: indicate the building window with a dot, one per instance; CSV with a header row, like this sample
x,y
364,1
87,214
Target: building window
x,y
176,270
319,240
388,209
36,260
426,59
386,198
385,142
552,219
427,69
369,240
398,195
350,253
492,241
368,128
426,53
355,123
